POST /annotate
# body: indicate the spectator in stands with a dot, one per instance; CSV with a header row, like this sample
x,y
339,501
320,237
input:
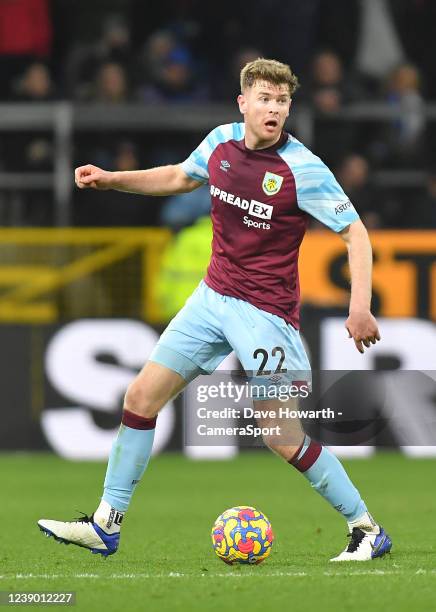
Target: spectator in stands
x,y
25,34
330,88
404,94
35,85
401,141
328,91
169,72
110,85
126,157
112,208
113,46
32,151
353,175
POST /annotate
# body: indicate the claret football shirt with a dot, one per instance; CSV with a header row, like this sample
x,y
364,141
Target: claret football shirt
x,y
260,204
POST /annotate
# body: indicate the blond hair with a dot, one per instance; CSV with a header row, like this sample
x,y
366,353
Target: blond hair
x,y
268,70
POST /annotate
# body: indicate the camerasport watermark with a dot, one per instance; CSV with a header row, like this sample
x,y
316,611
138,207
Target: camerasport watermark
x,y
249,430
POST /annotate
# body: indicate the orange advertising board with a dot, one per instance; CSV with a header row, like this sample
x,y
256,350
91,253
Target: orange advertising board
x,y
404,273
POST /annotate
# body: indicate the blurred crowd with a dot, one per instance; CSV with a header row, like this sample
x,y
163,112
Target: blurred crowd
x,y
186,51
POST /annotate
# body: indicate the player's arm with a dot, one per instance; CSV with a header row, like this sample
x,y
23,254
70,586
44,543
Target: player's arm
x,y
320,195
361,324
161,181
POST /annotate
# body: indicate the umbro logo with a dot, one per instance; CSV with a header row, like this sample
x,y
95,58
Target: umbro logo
x,y
224,165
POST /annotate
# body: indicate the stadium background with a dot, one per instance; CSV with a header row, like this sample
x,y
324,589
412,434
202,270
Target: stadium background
x,y
124,86
88,279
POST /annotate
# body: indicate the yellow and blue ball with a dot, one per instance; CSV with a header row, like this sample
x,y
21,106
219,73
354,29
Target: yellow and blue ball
x,y
242,535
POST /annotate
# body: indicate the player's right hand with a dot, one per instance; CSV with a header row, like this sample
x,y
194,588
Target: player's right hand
x,y
93,176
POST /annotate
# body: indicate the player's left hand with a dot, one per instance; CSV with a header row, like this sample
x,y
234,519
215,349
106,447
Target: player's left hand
x,y
363,328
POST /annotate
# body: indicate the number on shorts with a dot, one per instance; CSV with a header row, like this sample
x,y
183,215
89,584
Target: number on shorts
x,y
279,369
262,371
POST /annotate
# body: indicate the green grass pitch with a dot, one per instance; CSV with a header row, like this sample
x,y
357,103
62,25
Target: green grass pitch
x,y
166,561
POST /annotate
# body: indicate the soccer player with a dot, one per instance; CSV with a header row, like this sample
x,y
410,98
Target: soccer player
x,y
263,183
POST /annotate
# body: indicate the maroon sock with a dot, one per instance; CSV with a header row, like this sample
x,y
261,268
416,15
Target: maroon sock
x,y
135,421
309,456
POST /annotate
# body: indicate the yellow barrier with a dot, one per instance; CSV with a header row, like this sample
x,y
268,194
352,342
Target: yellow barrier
x,y
51,274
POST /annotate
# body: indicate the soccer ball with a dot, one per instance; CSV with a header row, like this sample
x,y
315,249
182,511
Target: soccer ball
x,y
242,535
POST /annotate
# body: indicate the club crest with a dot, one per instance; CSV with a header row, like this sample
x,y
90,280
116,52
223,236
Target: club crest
x,y
271,183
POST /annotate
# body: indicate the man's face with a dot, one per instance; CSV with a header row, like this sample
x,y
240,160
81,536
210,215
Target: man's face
x,y
265,108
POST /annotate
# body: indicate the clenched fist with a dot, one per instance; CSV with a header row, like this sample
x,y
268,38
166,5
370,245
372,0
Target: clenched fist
x,y
92,176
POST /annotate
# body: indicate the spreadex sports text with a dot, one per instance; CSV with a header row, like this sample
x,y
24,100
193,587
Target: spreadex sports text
x,y
253,207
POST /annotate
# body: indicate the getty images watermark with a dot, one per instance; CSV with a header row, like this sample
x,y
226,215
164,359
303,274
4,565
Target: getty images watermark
x,y
336,407
223,413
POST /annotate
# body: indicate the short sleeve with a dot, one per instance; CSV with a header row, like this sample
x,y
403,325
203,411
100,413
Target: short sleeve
x,y
318,192
196,166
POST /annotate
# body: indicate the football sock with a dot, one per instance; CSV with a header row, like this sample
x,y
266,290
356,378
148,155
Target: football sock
x,y
108,518
365,522
327,476
128,459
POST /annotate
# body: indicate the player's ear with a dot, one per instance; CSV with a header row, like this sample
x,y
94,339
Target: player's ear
x,y
290,104
242,103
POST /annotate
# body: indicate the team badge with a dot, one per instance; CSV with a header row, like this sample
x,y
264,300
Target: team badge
x,y
271,183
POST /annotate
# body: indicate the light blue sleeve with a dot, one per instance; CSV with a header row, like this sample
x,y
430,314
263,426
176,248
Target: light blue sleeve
x,y
318,192
196,166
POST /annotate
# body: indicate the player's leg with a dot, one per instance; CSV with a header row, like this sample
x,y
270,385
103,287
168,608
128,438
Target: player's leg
x,y
326,475
154,386
318,464
191,344
273,351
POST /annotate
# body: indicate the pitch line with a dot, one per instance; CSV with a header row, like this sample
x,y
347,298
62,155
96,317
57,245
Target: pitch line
x,y
136,576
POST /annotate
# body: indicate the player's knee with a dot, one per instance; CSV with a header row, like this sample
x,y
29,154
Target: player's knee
x,y
138,401
284,449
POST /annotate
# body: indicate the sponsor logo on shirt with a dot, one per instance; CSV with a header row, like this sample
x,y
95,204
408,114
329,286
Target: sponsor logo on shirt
x,y
261,210
225,165
259,225
253,207
271,183
340,208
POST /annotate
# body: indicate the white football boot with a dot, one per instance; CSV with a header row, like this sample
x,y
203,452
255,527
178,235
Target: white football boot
x,y
100,532
365,545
